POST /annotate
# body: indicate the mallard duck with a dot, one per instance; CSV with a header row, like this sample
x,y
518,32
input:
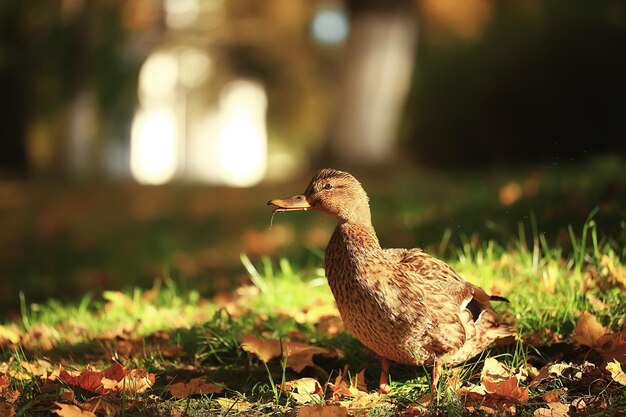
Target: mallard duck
x,y
403,304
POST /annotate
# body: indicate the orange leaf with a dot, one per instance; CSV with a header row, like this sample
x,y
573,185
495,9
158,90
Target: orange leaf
x,y
4,383
509,389
66,410
88,380
322,411
113,379
588,330
197,386
555,409
6,410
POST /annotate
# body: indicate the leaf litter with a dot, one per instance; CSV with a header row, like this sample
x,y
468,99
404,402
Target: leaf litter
x,y
562,383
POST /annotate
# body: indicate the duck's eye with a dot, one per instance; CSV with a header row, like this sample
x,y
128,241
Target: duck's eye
x,y
327,186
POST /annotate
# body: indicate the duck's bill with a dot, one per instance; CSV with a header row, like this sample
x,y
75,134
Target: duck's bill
x,y
295,203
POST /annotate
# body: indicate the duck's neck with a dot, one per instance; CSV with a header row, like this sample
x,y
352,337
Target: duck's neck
x,y
358,241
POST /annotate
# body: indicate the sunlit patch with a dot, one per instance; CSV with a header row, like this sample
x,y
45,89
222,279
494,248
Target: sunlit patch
x,y
158,77
330,25
195,67
181,14
154,147
242,138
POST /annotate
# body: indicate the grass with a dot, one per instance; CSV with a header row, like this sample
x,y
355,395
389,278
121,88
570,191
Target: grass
x,y
548,292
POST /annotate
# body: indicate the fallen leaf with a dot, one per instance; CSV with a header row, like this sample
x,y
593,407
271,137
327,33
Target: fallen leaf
x,y
42,369
9,335
555,409
304,390
6,410
618,375
229,404
299,355
115,378
613,347
105,404
322,411
41,337
4,383
508,389
588,330
196,386
67,410
562,370
352,387
616,273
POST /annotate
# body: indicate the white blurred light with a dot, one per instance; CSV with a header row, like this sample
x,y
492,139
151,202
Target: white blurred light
x,y
242,138
195,67
330,25
181,14
158,77
154,147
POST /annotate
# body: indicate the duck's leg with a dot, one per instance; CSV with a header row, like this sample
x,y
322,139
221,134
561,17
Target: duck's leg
x,y
383,386
437,370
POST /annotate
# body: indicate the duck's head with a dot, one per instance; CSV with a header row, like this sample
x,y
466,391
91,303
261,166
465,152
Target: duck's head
x,y
333,192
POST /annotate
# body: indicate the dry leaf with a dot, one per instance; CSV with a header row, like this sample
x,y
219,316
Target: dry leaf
x,y
351,388
617,273
618,375
304,390
569,371
6,410
113,379
197,386
613,347
555,409
9,335
299,355
67,410
42,369
508,389
104,404
322,411
41,337
229,404
136,381
588,330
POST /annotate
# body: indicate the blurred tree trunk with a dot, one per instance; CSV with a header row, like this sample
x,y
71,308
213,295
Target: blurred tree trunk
x,y
14,106
377,70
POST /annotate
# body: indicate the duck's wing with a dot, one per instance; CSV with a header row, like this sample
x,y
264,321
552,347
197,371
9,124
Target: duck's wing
x,y
454,308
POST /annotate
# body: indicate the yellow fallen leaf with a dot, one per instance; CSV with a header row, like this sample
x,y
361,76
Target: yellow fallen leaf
x,y
230,404
67,410
618,375
588,330
299,355
554,409
9,335
304,390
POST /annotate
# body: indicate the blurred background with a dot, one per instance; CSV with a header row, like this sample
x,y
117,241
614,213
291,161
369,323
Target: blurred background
x,y
142,138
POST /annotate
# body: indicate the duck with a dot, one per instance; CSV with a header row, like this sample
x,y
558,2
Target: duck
x,y
405,305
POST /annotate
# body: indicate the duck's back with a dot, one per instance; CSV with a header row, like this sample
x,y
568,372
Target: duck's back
x,y
404,304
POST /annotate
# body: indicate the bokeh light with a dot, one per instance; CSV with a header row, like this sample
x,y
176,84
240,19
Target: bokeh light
x,y
154,146
330,25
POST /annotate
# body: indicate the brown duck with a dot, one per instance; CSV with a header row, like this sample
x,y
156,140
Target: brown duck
x,y
403,304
